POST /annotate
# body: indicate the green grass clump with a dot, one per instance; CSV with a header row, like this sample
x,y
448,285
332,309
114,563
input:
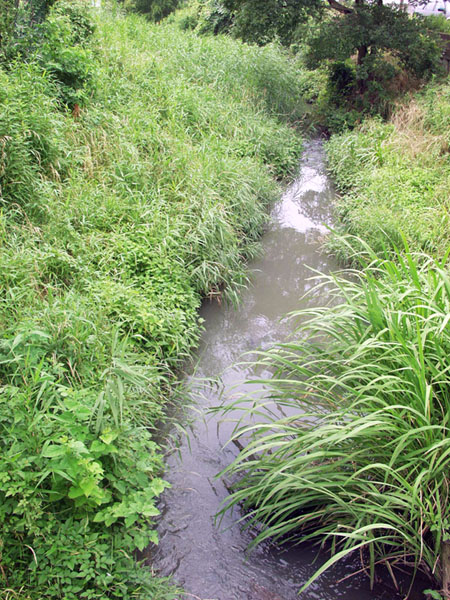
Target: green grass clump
x,y
394,177
135,176
361,461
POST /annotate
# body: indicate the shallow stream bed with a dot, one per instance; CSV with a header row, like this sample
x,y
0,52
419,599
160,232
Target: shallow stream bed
x,y
209,559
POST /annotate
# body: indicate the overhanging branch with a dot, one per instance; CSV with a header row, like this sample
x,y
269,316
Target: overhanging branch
x,y
340,7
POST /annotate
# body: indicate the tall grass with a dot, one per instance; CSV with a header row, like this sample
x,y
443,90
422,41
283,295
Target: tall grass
x,y
361,461
122,207
394,177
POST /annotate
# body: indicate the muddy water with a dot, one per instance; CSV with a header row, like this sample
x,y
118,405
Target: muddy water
x,y
207,558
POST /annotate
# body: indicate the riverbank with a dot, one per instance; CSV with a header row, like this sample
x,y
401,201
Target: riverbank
x,y
394,176
358,462
119,215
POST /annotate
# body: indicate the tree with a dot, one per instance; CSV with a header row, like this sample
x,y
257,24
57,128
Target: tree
x,y
366,29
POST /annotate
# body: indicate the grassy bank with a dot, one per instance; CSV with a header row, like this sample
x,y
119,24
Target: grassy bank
x,y
360,462
394,177
117,217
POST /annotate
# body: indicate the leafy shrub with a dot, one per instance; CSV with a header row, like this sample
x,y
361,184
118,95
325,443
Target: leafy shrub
x,y
8,13
361,457
65,53
436,23
80,18
214,18
155,10
19,22
85,468
187,17
341,81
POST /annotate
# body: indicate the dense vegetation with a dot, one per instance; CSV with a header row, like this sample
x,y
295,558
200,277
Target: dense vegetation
x,y
136,163
394,177
362,461
366,53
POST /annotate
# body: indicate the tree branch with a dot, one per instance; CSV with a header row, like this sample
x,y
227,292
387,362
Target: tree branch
x,y
340,7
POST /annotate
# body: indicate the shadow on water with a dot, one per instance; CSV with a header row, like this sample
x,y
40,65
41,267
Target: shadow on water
x,y
209,559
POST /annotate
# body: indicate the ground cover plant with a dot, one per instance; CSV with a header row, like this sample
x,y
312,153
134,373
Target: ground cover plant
x,y
136,164
360,461
394,176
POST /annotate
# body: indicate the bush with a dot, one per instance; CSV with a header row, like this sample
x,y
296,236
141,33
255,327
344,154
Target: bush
x,y
341,81
360,459
214,18
155,10
436,23
78,497
65,53
187,17
8,13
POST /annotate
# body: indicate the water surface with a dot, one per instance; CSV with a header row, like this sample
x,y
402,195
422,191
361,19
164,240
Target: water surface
x,y
209,559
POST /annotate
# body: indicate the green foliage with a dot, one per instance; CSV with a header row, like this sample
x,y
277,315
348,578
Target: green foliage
x,y
214,17
64,51
390,48
341,81
113,227
19,23
8,15
78,15
75,477
262,22
31,136
388,44
155,10
61,45
394,177
360,460
186,17
436,23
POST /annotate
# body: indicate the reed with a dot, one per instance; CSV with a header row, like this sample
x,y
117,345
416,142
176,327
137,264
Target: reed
x,y
361,461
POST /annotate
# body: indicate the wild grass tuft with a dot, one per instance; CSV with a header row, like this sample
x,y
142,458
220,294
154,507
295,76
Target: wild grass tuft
x,y
394,176
361,459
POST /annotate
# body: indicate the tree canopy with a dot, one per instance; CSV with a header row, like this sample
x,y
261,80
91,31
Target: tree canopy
x,y
366,29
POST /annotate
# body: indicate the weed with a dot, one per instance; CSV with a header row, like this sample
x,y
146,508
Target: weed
x,y
394,176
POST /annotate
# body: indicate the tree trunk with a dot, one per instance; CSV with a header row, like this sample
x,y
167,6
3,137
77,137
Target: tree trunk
x,y
362,53
445,568
362,83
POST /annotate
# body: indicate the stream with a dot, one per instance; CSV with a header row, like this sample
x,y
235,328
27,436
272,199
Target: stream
x,y
209,559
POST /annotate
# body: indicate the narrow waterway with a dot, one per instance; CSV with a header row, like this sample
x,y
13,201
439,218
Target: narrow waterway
x,y
209,559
